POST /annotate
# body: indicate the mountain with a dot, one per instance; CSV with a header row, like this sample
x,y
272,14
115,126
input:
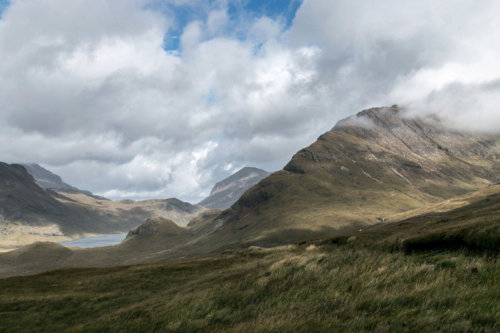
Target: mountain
x,y
366,170
51,181
24,202
228,191
375,168
29,212
22,199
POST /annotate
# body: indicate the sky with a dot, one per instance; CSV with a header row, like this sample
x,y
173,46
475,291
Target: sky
x,y
162,98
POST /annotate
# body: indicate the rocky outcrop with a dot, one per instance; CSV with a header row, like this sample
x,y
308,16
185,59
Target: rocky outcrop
x,y
157,226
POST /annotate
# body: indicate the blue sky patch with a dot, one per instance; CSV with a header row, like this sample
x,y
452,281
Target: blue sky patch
x,y
285,9
3,5
237,10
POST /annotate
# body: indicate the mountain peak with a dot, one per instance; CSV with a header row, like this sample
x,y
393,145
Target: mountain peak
x,y
240,175
45,178
50,181
383,117
228,191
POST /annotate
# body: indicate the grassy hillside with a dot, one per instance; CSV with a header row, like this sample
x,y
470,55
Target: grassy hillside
x,y
382,233
369,167
357,282
18,234
366,169
466,222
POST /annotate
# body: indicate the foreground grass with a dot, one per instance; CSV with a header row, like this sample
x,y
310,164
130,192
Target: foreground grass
x,y
294,288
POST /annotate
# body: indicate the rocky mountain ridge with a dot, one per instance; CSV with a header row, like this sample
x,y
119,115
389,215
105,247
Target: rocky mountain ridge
x,y
369,167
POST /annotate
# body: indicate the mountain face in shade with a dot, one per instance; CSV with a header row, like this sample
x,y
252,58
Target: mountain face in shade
x,y
25,204
228,191
51,181
22,199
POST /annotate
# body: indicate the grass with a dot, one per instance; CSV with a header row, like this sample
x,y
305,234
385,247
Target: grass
x,y
467,222
318,286
405,277
15,234
434,269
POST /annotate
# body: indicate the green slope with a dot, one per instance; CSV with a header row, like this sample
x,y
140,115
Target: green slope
x,y
360,281
367,168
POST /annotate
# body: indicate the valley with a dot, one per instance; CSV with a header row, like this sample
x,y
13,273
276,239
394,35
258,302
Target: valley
x,y
39,209
405,276
384,223
353,177
249,166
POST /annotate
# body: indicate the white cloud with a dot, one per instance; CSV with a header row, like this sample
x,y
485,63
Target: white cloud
x,y
473,107
216,21
87,89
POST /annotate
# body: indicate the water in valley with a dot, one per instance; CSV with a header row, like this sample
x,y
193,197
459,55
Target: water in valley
x,y
96,241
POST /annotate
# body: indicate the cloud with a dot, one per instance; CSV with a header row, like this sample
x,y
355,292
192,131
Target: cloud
x,y
88,90
148,174
469,107
432,56
96,98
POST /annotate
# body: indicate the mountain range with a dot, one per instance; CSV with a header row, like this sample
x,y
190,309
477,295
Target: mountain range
x,y
56,211
376,168
369,168
36,204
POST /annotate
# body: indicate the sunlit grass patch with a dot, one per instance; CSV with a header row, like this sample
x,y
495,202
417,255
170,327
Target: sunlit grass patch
x,y
304,288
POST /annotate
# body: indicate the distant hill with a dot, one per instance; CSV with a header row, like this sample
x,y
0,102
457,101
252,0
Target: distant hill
x,y
228,191
30,212
51,181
